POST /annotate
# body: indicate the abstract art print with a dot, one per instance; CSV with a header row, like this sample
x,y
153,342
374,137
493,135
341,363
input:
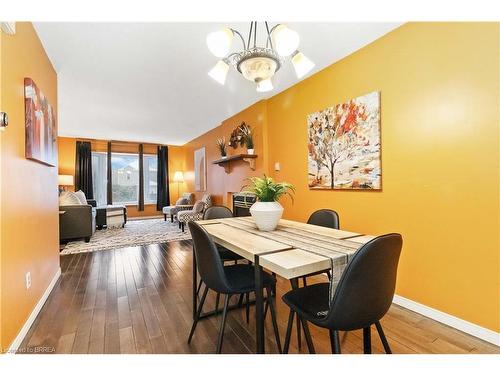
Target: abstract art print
x,y
40,123
200,170
344,145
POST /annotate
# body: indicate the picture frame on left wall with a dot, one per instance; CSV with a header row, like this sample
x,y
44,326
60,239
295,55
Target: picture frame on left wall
x,y
40,126
200,170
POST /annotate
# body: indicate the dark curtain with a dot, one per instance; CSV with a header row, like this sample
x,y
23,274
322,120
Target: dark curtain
x,y
109,186
83,169
163,195
141,178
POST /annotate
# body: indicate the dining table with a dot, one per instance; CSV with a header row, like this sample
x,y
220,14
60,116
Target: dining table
x,y
292,250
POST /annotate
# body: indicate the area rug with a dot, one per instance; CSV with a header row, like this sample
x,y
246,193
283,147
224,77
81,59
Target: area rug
x,y
135,233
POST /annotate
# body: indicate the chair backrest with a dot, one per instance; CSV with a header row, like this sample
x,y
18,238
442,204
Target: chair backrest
x,y
208,260
207,200
325,218
366,288
198,207
217,212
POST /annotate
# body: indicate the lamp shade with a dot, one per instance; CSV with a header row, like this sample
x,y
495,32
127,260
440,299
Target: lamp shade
x,y
285,40
219,72
219,42
301,64
65,180
178,176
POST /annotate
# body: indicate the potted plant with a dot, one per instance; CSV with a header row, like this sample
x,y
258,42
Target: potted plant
x,y
221,144
267,211
248,138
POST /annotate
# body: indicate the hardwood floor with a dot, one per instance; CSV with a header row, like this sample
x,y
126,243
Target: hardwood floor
x,y
138,300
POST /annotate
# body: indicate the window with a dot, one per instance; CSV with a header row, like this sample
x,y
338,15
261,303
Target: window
x,y
99,177
125,178
150,170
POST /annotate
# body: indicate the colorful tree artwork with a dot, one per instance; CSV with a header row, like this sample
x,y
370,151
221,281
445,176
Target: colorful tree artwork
x,y
344,145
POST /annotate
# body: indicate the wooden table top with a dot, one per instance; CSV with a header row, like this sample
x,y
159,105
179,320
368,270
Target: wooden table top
x,y
294,249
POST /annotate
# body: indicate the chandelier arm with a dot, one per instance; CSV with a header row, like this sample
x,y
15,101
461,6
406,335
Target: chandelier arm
x,y
241,37
269,40
255,35
249,35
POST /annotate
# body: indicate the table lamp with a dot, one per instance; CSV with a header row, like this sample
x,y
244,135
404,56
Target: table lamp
x,y
64,180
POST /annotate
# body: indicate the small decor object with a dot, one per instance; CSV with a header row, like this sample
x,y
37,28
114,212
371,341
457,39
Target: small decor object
x,y
4,120
248,137
200,170
257,64
237,138
344,145
41,132
267,211
221,144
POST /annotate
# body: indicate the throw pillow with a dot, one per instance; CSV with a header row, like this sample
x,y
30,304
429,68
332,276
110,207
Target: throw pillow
x,y
68,198
180,201
81,196
199,207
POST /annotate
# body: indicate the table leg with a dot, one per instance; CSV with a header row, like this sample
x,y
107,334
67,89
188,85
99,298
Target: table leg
x,y
195,285
259,307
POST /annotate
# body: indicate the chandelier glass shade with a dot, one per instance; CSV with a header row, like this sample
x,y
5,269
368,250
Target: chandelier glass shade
x,y
258,64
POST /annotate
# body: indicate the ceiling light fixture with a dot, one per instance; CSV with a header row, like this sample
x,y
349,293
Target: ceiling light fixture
x,y
257,64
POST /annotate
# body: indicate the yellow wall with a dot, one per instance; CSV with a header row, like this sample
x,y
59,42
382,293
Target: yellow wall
x,y
67,154
439,85
220,184
28,189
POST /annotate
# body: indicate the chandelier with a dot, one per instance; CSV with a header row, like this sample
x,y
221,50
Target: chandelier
x,y
257,64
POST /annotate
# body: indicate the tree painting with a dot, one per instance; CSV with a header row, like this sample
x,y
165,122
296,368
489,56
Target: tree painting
x,y
344,145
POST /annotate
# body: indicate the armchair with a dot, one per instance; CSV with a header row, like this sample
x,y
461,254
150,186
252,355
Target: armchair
x,y
196,213
185,202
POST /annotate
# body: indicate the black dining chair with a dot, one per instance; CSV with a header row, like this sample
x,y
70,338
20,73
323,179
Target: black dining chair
x,y
325,218
226,280
362,297
222,212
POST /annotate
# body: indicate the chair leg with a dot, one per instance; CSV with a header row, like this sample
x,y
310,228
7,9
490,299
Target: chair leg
x,y
367,340
270,303
222,323
307,336
217,298
197,317
247,307
335,342
172,218
240,300
288,332
165,217
182,226
380,331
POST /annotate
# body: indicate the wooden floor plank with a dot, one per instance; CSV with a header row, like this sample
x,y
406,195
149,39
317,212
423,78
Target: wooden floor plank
x,y
138,300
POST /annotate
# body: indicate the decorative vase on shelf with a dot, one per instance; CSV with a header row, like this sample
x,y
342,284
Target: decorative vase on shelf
x,y
250,151
266,215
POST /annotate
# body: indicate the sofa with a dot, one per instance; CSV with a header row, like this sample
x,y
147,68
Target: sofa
x,y
76,220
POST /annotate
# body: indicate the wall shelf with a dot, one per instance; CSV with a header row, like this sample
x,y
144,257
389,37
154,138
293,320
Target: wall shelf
x,y
226,163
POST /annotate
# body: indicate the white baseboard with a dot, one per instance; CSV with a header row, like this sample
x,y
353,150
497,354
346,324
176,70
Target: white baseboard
x,y
450,320
27,325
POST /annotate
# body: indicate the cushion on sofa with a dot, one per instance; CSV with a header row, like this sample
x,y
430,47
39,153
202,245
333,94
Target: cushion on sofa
x,y
81,196
199,206
68,198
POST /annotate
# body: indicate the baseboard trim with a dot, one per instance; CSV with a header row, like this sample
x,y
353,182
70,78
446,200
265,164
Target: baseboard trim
x,y
27,325
450,320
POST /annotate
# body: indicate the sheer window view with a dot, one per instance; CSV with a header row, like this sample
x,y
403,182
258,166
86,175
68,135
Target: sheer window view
x,y
99,177
125,177
150,170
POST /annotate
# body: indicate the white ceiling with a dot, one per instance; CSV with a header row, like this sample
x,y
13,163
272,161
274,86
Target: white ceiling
x,y
148,82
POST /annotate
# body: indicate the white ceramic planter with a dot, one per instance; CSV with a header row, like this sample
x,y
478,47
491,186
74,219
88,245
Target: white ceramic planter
x,y
266,215
250,151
